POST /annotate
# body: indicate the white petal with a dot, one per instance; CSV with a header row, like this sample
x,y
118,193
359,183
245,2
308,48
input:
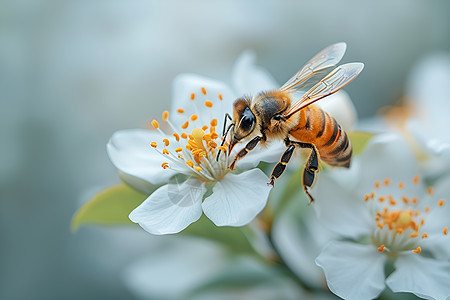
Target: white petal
x,y
237,199
425,277
131,153
186,84
171,208
353,271
340,211
248,78
341,107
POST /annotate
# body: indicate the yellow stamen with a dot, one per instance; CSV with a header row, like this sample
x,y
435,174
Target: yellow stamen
x,y
213,122
203,90
165,165
194,117
205,127
220,96
179,149
416,179
405,200
192,96
184,135
366,197
208,103
180,111
212,144
445,230
214,135
166,142
223,148
381,199
177,137
198,169
377,184
165,115
430,190
415,200
424,235
401,185
418,250
441,202
387,182
155,124
426,209
190,163
185,125
414,235
381,248
165,151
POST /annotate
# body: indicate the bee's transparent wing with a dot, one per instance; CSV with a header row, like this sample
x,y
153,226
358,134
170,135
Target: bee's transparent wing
x,y
333,82
316,68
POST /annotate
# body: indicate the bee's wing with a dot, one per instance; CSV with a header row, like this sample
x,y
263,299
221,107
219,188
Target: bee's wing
x,y
316,68
333,82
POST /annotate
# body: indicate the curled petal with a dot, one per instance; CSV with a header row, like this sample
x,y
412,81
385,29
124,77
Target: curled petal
x,y
171,208
353,271
237,199
425,277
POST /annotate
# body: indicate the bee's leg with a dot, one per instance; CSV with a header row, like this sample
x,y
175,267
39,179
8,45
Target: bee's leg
x,y
312,166
250,145
281,165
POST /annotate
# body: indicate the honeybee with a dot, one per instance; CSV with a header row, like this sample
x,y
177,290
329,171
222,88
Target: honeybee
x,y
281,114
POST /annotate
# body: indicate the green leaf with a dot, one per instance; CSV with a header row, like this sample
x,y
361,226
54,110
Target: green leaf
x,y
232,238
109,207
359,140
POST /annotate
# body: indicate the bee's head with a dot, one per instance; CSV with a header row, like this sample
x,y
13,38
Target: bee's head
x,y
243,119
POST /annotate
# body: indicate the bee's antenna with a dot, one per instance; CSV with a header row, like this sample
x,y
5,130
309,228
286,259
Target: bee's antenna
x,y
225,133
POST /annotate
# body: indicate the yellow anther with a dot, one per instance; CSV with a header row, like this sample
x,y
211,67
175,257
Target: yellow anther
x,y
424,235
180,156
445,230
205,127
426,209
377,184
155,124
190,163
366,197
212,144
191,137
208,103
214,135
184,135
441,202
381,199
176,136
198,169
430,190
387,181
165,165
414,200
203,90
401,185
416,179
194,117
381,248
166,142
192,96
212,129
165,151
165,115
414,235
185,125
223,148
381,225
392,202
220,96
418,250
213,122
372,195
154,144
405,200
180,111
179,149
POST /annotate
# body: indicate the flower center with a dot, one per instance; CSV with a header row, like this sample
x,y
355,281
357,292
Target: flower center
x,y
195,152
399,220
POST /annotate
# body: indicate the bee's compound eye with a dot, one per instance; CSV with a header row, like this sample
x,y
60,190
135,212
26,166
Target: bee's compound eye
x,y
277,117
247,120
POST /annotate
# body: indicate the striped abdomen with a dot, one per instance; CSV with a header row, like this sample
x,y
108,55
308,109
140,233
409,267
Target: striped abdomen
x,y
317,127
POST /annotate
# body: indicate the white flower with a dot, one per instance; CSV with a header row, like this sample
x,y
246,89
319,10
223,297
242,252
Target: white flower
x,y
384,213
183,154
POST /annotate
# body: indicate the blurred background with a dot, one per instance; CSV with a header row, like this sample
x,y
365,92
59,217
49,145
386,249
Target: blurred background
x,y
73,72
